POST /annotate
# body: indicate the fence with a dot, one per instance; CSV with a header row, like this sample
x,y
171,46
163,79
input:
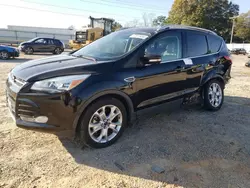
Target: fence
x,y
246,46
16,37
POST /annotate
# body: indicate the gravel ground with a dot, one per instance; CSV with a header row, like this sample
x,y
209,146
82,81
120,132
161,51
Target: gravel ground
x,y
190,146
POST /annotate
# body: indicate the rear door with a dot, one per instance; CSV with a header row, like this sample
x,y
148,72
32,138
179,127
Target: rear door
x,y
50,45
197,58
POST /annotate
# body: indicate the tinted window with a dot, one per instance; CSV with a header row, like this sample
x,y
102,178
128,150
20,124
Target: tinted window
x,y
51,41
214,43
57,42
40,41
168,46
196,44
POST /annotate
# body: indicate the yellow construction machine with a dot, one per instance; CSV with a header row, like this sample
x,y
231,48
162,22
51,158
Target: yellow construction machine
x,y
99,27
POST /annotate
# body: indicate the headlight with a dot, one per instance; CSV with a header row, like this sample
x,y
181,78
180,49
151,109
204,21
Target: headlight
x,y
59,84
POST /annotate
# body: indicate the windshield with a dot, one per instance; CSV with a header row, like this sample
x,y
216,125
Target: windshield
x,y
113,45
31,40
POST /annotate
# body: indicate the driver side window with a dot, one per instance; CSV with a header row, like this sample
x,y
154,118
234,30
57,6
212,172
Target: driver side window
x,y
42,41
168,46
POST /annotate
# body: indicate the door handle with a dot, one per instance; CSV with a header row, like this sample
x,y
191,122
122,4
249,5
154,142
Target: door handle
x,y
129,79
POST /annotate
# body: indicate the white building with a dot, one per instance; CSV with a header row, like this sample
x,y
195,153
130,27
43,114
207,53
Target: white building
x,y
42,29
16,34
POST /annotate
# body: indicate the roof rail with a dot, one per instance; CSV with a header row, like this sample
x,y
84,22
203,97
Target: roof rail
x,y
186,27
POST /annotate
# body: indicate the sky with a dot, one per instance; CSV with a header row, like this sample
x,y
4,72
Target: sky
x,y
64,13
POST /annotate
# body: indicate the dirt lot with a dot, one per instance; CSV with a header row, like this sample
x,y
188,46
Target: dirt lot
x,y
196,148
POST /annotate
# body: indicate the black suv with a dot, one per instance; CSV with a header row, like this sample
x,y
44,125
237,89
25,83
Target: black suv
x,y
52,45
96,90
238,51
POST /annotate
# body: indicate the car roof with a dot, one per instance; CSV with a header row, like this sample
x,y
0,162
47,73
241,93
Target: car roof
x,y
154,30
46,38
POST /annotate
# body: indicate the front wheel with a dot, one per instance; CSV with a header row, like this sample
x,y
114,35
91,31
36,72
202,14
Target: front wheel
x,y
213,95
29,51
4,55
103,123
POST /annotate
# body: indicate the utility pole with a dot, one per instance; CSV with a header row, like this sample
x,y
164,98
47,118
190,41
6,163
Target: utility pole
x,y
232,32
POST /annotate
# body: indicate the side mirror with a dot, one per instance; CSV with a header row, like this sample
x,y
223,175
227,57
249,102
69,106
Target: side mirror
x,y
150,59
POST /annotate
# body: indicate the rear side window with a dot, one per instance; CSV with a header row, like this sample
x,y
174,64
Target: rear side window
x,y
51,41
214,43
196,44
58,42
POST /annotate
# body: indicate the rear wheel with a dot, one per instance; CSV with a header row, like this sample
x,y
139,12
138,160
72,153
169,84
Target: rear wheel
x,y
57,51
213,95
4,55
103,123
29,51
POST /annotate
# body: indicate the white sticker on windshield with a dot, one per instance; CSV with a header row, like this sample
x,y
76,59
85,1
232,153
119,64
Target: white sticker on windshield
x,y
188,61
138,36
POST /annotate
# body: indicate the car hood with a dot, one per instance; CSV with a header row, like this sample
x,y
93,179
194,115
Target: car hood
x,y
60,65
24,43
7,47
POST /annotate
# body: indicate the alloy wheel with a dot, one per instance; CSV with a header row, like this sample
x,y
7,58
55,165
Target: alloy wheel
x,y
105,124
57,51
29,50
4,55
215,95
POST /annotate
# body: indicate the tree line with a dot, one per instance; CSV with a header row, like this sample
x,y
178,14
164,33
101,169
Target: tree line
x,y
215,15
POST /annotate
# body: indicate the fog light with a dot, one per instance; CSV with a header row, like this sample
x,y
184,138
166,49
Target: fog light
x,y
41,119
30,119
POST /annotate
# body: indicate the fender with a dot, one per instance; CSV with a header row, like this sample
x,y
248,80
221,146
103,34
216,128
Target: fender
x,y
211,75
101,94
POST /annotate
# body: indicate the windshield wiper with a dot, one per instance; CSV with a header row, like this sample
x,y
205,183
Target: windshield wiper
x,y
85,57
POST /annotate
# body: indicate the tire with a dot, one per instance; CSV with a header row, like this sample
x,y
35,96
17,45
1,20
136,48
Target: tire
x,y
29,51
92,120
213,95
4,55
57,51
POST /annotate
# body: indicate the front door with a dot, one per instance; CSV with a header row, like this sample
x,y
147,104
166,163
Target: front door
x,y
39,45
166,80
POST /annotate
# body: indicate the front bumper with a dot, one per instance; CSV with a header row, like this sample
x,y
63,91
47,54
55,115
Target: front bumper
x,y
15,53
25,107
21,48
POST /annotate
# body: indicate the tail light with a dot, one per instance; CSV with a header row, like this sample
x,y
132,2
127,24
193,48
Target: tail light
x,y
228,58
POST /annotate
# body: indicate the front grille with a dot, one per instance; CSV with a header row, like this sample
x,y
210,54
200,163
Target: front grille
x,y
27,108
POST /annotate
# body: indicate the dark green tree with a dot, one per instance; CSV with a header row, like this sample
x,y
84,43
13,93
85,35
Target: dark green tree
x,y
210,14
116,26
160,20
